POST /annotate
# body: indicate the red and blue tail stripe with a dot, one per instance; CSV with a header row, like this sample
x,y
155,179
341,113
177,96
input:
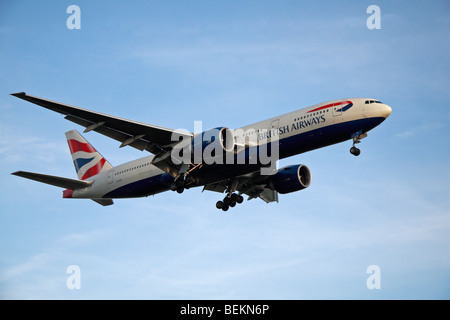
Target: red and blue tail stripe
x,y
87,160
94,170
76,146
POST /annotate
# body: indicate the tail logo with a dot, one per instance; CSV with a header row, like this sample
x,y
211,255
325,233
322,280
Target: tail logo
x,y
88,162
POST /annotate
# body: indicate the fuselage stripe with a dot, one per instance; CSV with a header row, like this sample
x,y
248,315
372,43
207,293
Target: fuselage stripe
x,y
330,105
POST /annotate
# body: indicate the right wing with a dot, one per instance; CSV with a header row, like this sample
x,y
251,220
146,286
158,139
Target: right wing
x,y
135,134
155,139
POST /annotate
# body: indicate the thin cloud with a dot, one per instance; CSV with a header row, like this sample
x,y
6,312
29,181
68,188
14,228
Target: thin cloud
x,y
16,147
405,134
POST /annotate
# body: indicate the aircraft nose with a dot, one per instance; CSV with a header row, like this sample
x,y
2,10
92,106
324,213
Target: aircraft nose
x,y
385,110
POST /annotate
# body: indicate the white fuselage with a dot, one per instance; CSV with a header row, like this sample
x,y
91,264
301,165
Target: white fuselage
x,y
298,131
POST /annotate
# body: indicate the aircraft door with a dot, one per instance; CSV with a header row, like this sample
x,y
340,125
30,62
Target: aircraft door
x,y
275,124
274,129
110,176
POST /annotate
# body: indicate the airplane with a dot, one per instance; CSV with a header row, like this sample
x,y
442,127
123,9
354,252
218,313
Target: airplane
x,y
219,159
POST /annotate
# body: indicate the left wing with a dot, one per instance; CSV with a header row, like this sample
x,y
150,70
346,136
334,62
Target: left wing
x,y
254,185
155,139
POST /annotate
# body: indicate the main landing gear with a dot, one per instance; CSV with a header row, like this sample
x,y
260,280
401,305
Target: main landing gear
x,y
357,139
229,201
232,198
183,180
178,185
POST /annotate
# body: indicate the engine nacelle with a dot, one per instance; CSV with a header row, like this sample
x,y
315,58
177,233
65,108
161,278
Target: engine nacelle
x,y
210,146
221,138
291,178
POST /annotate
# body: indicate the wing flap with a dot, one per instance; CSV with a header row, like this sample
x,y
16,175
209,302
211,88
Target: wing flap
x,y
139,144
268,195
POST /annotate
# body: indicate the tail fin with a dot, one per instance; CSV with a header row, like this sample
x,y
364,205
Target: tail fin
x,y
88,161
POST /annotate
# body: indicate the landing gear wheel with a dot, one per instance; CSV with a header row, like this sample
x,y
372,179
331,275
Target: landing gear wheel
x,y
180,183
357,136
233,199
355,151
177,186
229,201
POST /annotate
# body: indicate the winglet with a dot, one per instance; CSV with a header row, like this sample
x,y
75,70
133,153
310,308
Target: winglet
x,y
19,94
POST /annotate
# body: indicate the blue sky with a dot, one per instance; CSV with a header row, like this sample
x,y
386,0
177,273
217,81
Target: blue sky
x,y
229,63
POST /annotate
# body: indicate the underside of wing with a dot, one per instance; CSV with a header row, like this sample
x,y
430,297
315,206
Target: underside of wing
x,y
264,193
254,185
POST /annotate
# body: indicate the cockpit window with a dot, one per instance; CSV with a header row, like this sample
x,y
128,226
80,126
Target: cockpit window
x,y
372,101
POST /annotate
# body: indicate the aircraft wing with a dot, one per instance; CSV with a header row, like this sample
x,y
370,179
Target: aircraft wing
x,y
155,139
254,185
135,134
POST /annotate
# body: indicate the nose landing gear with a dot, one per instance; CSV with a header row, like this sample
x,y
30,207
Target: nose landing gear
x,y
355,151
357,139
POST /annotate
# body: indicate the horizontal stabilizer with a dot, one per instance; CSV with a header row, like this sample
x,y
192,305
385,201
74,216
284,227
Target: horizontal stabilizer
x,y
54,181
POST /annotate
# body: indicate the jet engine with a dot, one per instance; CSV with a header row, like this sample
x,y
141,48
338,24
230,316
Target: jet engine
x,y
210,146
221,138
291,178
